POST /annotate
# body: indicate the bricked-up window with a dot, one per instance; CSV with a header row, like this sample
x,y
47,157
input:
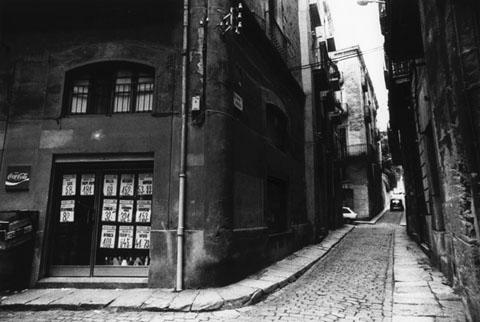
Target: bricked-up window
x,y
276,126
275,212
110,87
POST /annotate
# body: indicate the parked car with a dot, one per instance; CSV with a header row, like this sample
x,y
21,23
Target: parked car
x,y
349,214
396,204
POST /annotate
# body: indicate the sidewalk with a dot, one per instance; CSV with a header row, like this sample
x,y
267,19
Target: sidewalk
x,y
420,293
243,293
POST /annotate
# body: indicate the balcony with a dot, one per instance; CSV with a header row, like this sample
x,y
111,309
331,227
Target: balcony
x,y
360,150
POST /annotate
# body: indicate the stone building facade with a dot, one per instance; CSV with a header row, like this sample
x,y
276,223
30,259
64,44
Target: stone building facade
x,y
323,150
434,71
362,185
137,139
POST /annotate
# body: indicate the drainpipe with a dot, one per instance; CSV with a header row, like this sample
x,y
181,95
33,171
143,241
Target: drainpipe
x,y
183,148
7,112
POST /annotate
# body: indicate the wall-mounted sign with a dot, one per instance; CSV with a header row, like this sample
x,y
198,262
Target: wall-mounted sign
x,y
237,101
18,178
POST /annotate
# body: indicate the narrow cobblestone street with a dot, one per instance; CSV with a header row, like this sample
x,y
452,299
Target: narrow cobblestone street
x,y
374,274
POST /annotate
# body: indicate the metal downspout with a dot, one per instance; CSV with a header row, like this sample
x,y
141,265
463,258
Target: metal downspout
x,y
183,148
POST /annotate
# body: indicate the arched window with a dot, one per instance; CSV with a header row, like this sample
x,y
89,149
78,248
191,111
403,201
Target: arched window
x,y
109,87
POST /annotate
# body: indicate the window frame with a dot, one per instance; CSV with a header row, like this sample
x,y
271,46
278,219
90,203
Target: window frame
x,y
102,80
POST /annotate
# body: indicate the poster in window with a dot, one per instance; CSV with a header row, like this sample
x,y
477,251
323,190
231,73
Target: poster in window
x,y
107,239
87,185
126,185
144,211
125,237
145,183
69,185
110,185
109,210
126,211
142,237
67,211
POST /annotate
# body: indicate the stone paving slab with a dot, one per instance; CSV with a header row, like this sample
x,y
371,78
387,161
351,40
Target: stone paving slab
x,y
420,290
417,310
402,318
26,296
159,300
87,298
244,292
133,299
235,295
49,297
183,301
207,300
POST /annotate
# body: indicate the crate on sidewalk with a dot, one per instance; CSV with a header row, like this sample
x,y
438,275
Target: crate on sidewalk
x,y
17,232
16,227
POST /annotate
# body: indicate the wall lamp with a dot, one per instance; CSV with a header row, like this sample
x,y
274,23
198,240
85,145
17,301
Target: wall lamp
x,y
365,2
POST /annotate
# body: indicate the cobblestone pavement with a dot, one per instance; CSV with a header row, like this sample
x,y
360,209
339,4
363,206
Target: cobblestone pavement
x,y
391,217
354,282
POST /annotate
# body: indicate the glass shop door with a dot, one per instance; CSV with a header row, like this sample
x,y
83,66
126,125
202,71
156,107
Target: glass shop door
x,y
101,220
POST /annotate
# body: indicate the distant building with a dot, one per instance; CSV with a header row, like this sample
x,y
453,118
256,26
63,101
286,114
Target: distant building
x,y
323,153
362,185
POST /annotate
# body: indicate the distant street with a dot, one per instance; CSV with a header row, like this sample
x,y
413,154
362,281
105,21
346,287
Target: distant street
x,y
370,276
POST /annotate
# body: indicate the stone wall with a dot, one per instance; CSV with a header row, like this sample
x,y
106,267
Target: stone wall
x,y
450,31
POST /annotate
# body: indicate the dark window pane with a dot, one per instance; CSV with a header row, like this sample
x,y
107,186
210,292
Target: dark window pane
x,y
276,205
276,126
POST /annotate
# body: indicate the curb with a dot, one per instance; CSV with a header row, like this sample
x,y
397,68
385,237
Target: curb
x,y
374,220
243,293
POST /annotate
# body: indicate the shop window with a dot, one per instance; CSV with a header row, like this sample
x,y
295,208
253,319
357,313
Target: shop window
x,y
111,87
276,205
101,220
276,126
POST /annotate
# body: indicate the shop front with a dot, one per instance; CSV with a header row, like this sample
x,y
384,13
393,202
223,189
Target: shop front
x,y
99,219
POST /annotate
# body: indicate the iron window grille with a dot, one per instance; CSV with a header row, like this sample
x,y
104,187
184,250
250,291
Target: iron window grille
x,y
110,88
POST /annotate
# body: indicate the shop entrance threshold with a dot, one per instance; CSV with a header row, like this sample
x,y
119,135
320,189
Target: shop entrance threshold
x,y
93,282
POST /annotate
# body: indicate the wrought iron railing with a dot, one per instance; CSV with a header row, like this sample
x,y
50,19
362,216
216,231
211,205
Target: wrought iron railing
x,y
362,149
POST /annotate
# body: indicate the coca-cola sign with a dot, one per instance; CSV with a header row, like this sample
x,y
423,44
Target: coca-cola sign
x,y
18,178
